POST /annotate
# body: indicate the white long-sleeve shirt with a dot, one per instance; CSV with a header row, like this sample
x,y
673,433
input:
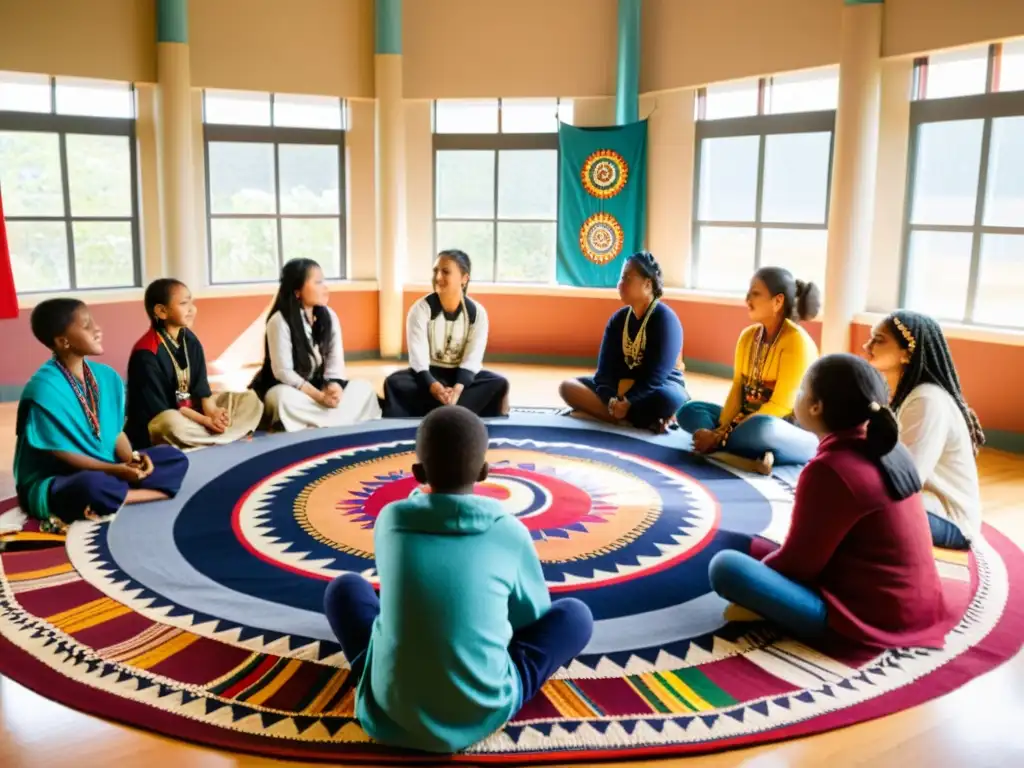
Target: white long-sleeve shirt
x,y
934,431
279,342
442,340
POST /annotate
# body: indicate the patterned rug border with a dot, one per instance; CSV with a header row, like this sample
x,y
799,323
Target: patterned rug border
x,y
49,660
998,645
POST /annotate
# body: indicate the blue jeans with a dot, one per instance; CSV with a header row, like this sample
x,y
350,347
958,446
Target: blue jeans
x,y
945,534
755,436
537,650
750,583
104,494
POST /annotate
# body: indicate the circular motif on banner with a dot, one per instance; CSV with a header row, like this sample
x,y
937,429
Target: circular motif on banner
x,y
604,174
595,518
601,238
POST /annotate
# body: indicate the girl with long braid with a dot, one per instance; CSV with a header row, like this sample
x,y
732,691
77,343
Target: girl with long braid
x,y
857,562
937,426
302,382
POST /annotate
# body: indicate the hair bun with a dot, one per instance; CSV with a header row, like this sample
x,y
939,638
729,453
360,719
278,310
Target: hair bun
x,y
808,300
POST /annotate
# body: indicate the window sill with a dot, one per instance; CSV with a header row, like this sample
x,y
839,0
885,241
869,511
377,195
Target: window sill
x,y
109,296
1005,336
129,295
269,288
523,289
570,292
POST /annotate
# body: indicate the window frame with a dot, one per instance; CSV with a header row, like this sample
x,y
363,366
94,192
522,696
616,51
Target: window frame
x,y
988,106
496,142
54,123
276,136
761,126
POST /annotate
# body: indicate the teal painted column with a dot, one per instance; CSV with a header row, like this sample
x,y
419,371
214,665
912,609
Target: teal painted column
x,y
174,141
388,27
172,21
390,146
627,91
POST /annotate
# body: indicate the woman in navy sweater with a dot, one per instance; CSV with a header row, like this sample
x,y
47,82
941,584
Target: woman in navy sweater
x,y
638,379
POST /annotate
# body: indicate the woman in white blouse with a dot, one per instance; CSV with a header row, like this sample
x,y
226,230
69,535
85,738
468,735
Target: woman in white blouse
x,y
302,382
937,426
446,332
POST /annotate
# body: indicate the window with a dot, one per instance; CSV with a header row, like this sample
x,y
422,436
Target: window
x,y
275,167
496,184
69,182
764,154
964,234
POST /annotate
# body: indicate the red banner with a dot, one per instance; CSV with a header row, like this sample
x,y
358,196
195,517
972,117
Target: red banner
x,y
8,296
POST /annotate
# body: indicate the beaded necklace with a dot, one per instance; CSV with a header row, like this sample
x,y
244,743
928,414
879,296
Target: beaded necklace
x,y
760,354
88,396
182,396
633,349
449,355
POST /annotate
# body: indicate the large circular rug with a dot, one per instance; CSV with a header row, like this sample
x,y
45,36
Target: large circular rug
x,y
200,617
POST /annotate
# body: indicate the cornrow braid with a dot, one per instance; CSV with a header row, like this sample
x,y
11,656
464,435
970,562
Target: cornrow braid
x,y
931,362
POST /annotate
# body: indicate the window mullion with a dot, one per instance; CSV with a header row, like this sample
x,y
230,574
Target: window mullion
x,y
994,61
133,164
277,202
979,217
494,239
68,228
759,201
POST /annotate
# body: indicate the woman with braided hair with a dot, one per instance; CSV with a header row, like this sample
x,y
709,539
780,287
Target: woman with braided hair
x,y
857,562
638,381
939,429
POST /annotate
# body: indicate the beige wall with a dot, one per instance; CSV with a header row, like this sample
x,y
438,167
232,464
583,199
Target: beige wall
x,y
890,185
671,148
292,46
361,190
149,183
476,48
918,26
688,43
419,189
108,39
594,111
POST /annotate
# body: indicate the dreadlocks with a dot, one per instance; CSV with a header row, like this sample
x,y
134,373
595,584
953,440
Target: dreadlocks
x,y
930,363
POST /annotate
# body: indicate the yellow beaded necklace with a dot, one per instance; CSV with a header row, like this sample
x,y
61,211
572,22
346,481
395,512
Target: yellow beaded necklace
x,y
633,349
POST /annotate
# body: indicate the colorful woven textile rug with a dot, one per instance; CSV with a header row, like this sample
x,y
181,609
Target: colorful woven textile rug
x,y
200,617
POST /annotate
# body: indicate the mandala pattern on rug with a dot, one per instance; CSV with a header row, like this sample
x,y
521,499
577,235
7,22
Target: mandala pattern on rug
x,y
211,632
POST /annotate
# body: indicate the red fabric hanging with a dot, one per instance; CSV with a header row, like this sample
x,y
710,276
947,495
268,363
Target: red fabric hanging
x,y
8,296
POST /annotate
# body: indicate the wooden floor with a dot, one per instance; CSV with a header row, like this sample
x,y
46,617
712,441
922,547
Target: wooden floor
x,y
978,726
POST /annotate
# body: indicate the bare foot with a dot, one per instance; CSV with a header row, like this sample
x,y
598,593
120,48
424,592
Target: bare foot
x,y
762,466
735,612
663,426
142,495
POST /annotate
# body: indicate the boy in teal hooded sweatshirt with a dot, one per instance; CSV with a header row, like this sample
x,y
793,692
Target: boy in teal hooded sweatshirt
x,y
464,632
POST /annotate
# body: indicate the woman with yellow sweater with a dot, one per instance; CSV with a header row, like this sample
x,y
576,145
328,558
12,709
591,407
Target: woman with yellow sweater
x,y
756,423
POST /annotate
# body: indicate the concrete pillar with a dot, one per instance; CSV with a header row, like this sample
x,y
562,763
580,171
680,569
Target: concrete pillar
x,y
890,185
627,92
854,166
174,136
671,140
390,125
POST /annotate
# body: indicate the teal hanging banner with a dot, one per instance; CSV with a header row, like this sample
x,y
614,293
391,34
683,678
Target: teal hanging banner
x,y
602,201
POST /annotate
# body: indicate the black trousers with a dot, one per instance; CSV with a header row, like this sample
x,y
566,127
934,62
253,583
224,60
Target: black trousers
x,y
405,399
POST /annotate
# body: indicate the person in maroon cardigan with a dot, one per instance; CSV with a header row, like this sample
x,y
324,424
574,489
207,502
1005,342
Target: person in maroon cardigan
x,y
858,561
